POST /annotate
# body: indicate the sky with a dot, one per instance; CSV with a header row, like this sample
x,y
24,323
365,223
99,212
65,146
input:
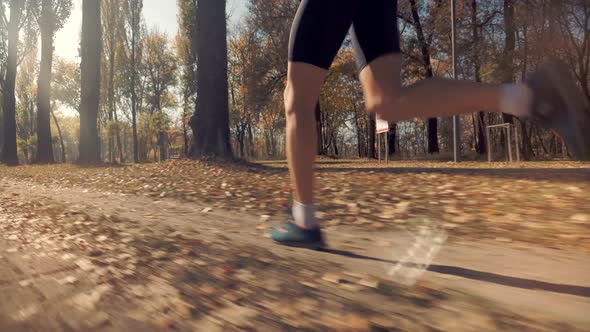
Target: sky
x,y
160,13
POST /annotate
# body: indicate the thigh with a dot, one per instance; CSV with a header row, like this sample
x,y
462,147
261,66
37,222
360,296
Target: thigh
x,y
375,32
318,31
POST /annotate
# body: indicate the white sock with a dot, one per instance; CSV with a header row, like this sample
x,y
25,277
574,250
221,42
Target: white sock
x,y
304,215
515,99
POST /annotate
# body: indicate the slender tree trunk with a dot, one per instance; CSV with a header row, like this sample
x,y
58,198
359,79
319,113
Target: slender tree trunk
x,y
9,149
211,117
240,137
359,135
391,138
318,125
134,122
61,138
480,146
91,45
432,124
372,129
509,46
251,148
541,142
335,145
120,146
133,87
111,79
44,143
185,136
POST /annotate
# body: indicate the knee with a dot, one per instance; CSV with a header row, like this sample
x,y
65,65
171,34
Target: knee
x,y
297,102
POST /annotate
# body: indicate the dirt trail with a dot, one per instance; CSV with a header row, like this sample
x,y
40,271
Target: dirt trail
x,y
132,262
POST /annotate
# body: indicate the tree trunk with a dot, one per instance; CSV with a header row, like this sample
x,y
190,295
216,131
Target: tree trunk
x,y
318,125
240,136
335,145
184,135
135,24
527,146
251,148
432,122
61,138
480,144
134,121
9,149
391,138
359,135
372,129
111,79
162,144
507,66
120,147
44,143
211,116
90,49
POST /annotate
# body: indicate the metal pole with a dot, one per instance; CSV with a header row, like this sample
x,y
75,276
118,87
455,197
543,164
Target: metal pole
x,y
456,129
489,145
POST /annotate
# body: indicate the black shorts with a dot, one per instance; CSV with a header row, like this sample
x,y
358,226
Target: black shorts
x,y
320,26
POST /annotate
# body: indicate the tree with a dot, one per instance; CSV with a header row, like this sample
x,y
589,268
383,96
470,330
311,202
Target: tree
x,y
574,19
66,84
424,48
113,25
479,122
26,92
134,29
91,45
160,70
210,122
186,52
52,17
65,92
507,62
9,149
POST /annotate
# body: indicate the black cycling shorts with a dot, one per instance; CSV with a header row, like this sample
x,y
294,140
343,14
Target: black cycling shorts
x,y
320,26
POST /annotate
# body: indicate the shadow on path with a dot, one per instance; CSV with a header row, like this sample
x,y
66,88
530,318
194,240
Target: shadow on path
x,y
482,276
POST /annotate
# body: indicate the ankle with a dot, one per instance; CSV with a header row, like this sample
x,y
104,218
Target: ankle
x,y
304,215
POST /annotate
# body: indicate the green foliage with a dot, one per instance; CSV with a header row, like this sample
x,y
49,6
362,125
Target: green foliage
x,y
113,127
51,15
158,121
66,83
160,69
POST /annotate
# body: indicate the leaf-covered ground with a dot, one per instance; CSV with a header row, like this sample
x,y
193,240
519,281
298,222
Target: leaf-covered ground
x,y
111,249
538,202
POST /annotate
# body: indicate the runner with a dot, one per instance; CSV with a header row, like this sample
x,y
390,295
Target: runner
x,y
549,97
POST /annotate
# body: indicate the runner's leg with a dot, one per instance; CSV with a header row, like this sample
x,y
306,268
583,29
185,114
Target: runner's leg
x,y
549,97
316,36
376,44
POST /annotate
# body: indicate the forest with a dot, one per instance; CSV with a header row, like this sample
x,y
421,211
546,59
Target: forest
x,y
144,182
140,95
